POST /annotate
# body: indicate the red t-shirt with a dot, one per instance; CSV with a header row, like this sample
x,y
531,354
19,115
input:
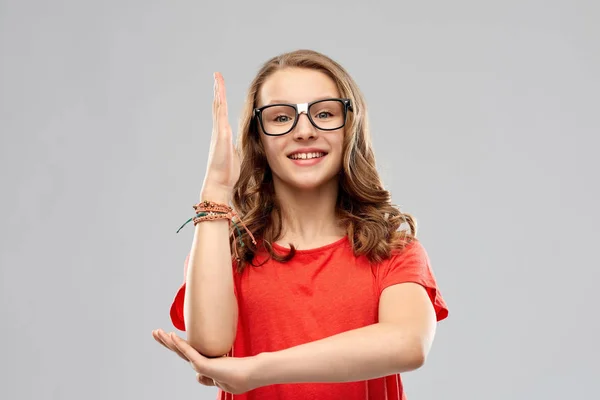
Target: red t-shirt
x,y
319,293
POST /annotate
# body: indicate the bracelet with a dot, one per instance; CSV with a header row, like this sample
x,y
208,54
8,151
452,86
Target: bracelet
x,y
210,211
210,206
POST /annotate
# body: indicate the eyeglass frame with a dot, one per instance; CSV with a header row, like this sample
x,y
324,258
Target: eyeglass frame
x,y
303,108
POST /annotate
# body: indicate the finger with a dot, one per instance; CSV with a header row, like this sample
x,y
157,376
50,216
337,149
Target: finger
x,y
196,359
224,128
205,380
221,93
156,337
164,340
215,104
160,340
170,345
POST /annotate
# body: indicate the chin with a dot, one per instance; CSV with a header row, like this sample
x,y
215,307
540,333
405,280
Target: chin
x,y
307,186
311,179
309,183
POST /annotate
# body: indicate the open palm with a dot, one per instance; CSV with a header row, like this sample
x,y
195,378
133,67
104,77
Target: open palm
x,y
233,375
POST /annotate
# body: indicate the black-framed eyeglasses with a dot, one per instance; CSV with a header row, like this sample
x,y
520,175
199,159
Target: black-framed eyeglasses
x,y
326,115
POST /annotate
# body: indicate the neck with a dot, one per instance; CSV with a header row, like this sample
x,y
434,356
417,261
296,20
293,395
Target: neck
x,y
309,218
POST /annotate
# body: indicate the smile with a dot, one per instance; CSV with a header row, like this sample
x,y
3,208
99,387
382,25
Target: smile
x,y
306,156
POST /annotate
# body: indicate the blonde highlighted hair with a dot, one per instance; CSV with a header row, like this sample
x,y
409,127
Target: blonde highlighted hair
x,y
363,205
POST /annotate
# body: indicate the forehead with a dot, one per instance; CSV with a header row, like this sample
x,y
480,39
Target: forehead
x,y
296,85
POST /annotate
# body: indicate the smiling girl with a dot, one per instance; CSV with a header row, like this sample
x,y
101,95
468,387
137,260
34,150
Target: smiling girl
x,y
300,283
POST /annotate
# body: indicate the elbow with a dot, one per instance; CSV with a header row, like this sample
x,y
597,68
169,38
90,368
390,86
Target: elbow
x,y
209,342
209,347
417,359
412,356
210,339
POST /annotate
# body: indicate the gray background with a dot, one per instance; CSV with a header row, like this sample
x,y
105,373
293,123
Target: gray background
x,y
485,124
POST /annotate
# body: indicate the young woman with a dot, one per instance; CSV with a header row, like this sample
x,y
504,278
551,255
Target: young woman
x,y
306,288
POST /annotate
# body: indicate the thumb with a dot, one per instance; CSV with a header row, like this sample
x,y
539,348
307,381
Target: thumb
x,y
205,380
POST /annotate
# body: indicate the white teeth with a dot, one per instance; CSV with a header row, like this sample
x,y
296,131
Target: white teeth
x,y
305,156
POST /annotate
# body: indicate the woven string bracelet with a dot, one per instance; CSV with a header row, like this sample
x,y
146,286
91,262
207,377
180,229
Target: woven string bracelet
x,y
209,211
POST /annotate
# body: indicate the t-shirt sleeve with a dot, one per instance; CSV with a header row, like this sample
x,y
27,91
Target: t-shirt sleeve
x,y
176,312
412,265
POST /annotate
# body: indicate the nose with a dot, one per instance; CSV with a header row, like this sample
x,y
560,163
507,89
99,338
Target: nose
x,y
304,129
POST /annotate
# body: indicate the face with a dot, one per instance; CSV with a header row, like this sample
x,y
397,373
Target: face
x,y
305,158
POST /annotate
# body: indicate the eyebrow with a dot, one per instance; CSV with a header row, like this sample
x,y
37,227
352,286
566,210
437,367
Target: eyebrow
x,y
275,101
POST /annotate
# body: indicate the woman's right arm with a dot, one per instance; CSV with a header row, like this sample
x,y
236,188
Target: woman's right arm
x,y
210,305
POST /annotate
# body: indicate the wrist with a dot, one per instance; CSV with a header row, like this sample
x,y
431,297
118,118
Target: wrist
x,y
258,375
215,196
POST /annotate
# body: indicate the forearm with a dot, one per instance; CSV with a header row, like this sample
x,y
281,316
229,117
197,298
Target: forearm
x,y
365,353
210,306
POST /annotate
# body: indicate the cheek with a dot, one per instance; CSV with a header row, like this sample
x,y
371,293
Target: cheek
x,y
338,145
273,150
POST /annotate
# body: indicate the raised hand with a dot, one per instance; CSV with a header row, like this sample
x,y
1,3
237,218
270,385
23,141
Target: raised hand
x,y
223,169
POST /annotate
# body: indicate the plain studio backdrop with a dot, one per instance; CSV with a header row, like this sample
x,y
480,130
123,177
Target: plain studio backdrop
x,y
485,122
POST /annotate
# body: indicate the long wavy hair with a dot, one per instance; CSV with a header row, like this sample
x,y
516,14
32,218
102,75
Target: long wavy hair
x,y
363,205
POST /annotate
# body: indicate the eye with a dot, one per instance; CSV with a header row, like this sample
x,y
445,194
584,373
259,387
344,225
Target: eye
x,y
281,118
324,114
